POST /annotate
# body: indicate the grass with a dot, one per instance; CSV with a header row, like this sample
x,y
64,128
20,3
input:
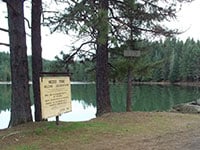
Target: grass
x,y
82,135
27,147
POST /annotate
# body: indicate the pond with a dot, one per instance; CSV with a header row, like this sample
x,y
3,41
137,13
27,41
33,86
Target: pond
x,y
145,98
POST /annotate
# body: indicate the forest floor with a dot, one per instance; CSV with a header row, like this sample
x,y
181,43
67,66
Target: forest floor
x,y
113,131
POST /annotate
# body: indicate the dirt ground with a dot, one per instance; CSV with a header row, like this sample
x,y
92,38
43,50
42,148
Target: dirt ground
x,y
114,131
180,131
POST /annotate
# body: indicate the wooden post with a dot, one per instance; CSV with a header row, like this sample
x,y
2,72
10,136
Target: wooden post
x,y
57,120
130,54
129,90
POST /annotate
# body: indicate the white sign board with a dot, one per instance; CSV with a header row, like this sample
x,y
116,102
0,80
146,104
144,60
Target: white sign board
x,y
55,96
132,53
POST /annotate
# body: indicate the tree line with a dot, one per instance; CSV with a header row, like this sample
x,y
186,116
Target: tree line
x,y
5,70
179,61
165,60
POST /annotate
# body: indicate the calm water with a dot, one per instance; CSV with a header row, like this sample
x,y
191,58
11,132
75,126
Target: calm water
x,y
145,98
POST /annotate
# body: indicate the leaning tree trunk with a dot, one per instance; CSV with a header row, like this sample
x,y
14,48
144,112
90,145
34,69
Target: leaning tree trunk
x,y
20,102
102,79
36,55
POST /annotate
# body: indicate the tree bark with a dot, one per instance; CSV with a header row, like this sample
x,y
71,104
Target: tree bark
x,y
20,102
36,55
102,79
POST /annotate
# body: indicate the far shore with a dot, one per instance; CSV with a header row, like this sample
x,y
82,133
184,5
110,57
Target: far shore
x,y
30,82
184,83
196,84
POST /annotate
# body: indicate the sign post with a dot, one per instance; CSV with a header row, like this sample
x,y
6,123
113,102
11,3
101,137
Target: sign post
x,y
130,54
55,92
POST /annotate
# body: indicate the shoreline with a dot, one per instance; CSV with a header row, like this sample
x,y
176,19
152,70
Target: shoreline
x,y
184,83
192,84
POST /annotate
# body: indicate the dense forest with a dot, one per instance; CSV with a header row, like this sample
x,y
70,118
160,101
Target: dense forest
x,y
173,60
5,72
169,60
165,60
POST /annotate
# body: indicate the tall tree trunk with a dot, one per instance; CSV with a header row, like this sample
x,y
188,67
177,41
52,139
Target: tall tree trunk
x,y
102,79
36,55
20,103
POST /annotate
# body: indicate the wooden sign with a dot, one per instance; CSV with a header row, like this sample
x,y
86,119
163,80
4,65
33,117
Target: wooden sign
x,y
132,53
55,96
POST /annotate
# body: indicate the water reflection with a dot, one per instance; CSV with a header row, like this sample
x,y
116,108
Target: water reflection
x,y
145,98
4,119
79,113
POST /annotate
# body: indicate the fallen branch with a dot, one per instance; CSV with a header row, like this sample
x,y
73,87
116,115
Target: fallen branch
x,y
10,134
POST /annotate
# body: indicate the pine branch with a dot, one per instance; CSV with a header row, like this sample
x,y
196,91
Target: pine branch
x,y
5,44
5,30
78,50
